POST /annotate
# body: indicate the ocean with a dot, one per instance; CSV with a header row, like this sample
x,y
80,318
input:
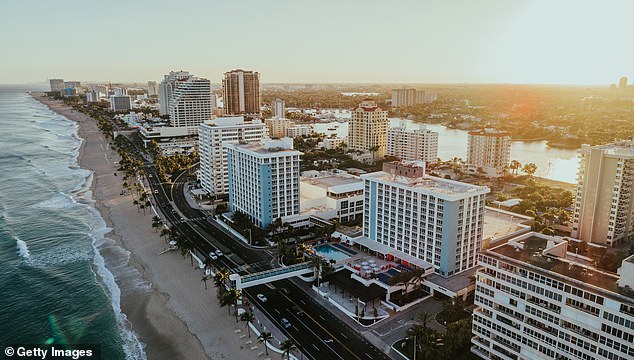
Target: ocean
x,y
56,288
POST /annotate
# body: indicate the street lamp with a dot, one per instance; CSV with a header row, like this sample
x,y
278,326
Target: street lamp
x,y
250,242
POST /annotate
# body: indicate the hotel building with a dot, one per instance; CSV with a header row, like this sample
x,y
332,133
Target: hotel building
x,y
190,104
604,206
168,86
366,129
412,144
537,301
241,93
152,89
213,173
489,152
331,195
263,179
433,221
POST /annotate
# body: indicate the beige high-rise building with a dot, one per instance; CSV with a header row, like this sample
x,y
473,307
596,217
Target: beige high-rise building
x,y
489,152
409,97
277,127
366,129
604,206
190,104
57,84
241,93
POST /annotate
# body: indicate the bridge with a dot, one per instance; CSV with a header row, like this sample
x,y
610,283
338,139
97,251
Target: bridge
x,y
263,277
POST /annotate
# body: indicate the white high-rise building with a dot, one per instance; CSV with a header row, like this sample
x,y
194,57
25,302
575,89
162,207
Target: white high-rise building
x,y
537,301
264,179
57,84
604,205
152,89
212,134
298,130
278,108
432,220
412,144
366,129
168,86
191,103
489,152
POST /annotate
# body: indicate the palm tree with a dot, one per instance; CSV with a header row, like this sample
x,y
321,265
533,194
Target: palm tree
x,y
515,166
222,276
248,318
156,223
287,347
204,279
136,203
529,169
264,337
416,333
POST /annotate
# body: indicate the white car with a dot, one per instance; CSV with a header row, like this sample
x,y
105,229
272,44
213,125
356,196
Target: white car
x,y
261,297
213,256
219,253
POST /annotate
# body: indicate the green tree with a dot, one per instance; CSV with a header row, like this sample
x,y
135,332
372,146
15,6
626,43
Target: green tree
x,y
248,318
287,347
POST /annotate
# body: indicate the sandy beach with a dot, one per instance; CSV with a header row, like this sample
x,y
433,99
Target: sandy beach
x,y
173,314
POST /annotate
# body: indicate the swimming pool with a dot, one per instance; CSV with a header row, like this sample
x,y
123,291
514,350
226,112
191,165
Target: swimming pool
x,y
331,253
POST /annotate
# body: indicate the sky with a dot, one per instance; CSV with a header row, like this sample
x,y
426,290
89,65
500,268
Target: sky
x,y
327,41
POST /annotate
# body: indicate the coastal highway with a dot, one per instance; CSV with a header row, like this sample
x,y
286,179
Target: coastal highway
x,y
318,333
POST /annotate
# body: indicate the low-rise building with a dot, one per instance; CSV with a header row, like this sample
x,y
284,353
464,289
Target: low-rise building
x,y
331,195
298,130
333,143
170,140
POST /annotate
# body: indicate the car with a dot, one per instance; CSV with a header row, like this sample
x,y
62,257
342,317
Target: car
x,y
156,191
219,253
261,297
213,256
297,310
285,323
284,290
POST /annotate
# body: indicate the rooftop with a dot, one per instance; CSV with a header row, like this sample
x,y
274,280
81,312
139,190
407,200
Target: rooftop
x,y
622,147
549,254
432,184
332,180
499,224
266,147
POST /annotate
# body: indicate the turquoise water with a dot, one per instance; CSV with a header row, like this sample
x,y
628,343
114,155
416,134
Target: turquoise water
x,y
331,253
55,284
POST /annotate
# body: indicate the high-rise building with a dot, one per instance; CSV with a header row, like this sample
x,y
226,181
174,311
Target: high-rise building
x,y
241,93
190,104
277,126
412,144
366,129
152,89
604,205
93,96
264,180
278,108
623,82
409,97
213,173
537,301
489,152
437,221
168,86
214,101
57,84
72,85
120,102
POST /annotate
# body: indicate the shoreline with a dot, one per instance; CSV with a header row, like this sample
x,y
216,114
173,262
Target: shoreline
x,y
173,316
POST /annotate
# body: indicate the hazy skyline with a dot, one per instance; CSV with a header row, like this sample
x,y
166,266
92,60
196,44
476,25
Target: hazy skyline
x,y
491,41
